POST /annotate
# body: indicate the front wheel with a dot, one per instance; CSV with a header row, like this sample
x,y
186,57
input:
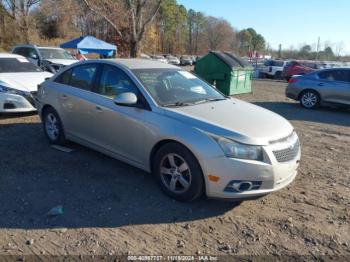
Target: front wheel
x,y
178,172
310,99
53,127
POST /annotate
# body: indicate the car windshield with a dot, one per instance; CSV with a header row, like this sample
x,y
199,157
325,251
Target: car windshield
x,y
16,65
55,53
171,87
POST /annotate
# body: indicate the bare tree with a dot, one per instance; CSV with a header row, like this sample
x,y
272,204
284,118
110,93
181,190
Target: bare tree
x,y
18,11
220,33
140,12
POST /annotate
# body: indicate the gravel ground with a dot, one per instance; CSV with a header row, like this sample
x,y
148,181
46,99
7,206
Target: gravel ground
x,y
111,208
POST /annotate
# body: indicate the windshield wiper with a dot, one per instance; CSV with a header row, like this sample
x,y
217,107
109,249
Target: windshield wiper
x,y
209,100
177,104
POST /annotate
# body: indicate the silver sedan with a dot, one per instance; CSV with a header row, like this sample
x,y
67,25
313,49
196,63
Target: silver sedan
x,y
166,121
324,87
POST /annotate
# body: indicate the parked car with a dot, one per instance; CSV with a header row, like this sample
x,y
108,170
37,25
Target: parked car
x,y
160,58
186,60
165,120
19,81
273,69
145,56
324,87
173,60
297,68
50,59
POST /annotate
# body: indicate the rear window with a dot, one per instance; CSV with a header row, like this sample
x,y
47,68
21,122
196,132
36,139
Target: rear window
x,y
79,76
16,65
274,63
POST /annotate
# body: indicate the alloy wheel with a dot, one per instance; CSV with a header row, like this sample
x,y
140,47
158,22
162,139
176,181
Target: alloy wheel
x,y
175,173
51,126
309,99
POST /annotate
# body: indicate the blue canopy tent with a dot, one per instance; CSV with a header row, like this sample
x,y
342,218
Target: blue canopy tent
x,y
90,44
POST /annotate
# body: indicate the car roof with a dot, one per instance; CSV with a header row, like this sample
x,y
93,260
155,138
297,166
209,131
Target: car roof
x,y
38,46
49,47
8,55
134,63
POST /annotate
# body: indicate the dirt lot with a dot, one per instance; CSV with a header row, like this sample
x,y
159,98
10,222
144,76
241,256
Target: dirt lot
x,y
112,208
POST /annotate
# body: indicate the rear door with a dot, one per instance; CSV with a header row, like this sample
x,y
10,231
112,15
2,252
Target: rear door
x,y
74,87
335,85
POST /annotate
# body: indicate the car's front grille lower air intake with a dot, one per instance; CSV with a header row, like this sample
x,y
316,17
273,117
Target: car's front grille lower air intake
x,y
286,149
287,154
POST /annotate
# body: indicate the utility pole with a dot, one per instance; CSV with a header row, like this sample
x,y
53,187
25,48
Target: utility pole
x,y
280,51
318,47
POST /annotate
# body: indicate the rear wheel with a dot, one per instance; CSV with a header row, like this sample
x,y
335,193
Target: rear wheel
x,y
178,172
53,127
310,99
278,75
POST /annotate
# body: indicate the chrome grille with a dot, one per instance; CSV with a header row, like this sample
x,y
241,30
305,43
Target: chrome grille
x,y
287,154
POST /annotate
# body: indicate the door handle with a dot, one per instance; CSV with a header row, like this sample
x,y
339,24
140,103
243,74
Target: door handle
x,y
64,97
99,109
320,84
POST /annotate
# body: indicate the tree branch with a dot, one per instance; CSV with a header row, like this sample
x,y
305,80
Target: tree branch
x,y
100,13
149,20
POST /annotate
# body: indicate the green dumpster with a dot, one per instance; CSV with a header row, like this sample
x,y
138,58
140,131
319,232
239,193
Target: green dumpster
x,y
229,73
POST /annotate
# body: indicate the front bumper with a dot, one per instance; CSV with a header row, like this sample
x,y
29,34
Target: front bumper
x,y
13,103
270,177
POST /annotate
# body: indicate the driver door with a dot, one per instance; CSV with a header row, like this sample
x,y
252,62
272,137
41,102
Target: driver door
x,y
121,130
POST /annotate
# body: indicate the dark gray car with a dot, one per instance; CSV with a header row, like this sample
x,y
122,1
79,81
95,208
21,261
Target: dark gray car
x,y
324,87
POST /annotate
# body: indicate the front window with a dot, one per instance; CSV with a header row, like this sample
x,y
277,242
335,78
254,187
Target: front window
x,y
171,87
114,82
17,65
55,53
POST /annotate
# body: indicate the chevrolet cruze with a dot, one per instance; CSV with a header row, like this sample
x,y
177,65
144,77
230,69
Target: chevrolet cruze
x,y
166,121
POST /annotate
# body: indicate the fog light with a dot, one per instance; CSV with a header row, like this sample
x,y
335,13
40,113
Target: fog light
x,y
240,186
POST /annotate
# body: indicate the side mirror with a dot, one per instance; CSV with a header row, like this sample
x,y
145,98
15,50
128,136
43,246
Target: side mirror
x,y
126,99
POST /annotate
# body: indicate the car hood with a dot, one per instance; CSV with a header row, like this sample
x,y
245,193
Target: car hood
x,y
62,61
27,82
235,119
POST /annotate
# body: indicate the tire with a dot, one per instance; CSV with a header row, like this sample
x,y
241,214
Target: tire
x,y
178,172
278,75
310,99
53,127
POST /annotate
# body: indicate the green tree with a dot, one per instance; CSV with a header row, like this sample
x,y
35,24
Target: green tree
x,y
250,40
305,52
258,43
245,39
195,24
173,21
328,52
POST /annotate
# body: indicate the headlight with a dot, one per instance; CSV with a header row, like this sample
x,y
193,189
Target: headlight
x,y
8,90
241,151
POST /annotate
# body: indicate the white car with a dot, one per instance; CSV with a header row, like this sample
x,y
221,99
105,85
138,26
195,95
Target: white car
x,y
160,58
19,80
50,59
173,60
273,68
